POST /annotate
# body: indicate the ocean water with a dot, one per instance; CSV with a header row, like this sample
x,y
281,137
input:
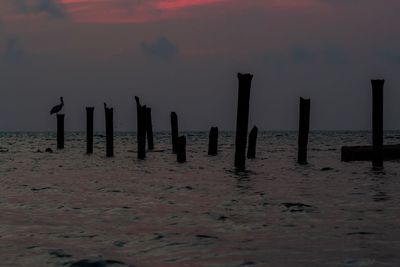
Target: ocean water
x,y
69,209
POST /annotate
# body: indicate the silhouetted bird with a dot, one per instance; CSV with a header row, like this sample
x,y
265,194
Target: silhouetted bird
x,y
105,105
57,108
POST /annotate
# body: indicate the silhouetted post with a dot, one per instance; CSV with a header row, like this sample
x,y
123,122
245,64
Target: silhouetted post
x,y
242,120
251,151
149,130
181,149
174,131
109,131
141,129
89,130
377,123
304,129
213,141
60,131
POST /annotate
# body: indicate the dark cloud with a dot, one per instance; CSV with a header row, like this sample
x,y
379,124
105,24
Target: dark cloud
x,y
161,48
13,52
50,7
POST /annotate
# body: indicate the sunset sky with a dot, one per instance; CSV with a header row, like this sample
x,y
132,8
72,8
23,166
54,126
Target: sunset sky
x,y
183,56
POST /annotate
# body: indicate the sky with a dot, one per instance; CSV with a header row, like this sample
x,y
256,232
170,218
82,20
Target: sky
x,y
184,56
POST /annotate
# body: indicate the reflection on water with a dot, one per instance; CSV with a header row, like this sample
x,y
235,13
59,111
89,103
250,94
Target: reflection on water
x,y
64,208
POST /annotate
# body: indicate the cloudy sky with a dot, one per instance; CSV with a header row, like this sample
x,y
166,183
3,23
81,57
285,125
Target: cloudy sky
x,y
183,56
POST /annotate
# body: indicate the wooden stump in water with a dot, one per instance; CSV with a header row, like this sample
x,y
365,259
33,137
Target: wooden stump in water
x,y
109,131
213,141
377,123
89,130
60,131
181,149
174,131
304,128
141,129
251,151
242,120
149,130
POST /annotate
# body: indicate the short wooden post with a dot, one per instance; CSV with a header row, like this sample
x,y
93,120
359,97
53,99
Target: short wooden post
x,y
251,151
141,129
181,149
89,130
377,123
304,128
149,130
174,131
60,131
109,131
242,120
213,141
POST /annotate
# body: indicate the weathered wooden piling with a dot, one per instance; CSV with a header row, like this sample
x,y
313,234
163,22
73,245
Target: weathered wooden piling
x,y
149,130
377,122
109,131
181,149
213,141
60,131
141,129
304,128
174,131
242,120
251,151
89,130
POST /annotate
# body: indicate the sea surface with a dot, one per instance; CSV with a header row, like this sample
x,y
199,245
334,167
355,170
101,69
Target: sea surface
x,y
69,209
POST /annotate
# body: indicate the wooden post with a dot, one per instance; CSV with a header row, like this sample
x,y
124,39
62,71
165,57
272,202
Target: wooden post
x,y
251,151
174,131
109,131
60,131
141,129
242,120
89,130
149,130
181,149
213,141
304,128
377,123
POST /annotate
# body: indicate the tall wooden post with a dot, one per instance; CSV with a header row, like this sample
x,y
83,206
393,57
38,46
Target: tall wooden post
x,y
89,130
304,128
251,151
60,131
174,131
109,131
141,129
181,149
149,130
377,122
213,141
242,120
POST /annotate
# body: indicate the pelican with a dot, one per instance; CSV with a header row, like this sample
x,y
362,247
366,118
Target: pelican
x,y
57,108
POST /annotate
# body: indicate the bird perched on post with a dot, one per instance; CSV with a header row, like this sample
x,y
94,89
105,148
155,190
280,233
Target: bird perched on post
x,y
57,108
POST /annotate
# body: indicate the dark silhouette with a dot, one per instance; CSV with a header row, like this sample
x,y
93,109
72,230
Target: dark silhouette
x,y
304,128
251,151
57,108
141,129
149,129
181,149
60,131
213,141
109,131
377,122
174,131
89,130
242,120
